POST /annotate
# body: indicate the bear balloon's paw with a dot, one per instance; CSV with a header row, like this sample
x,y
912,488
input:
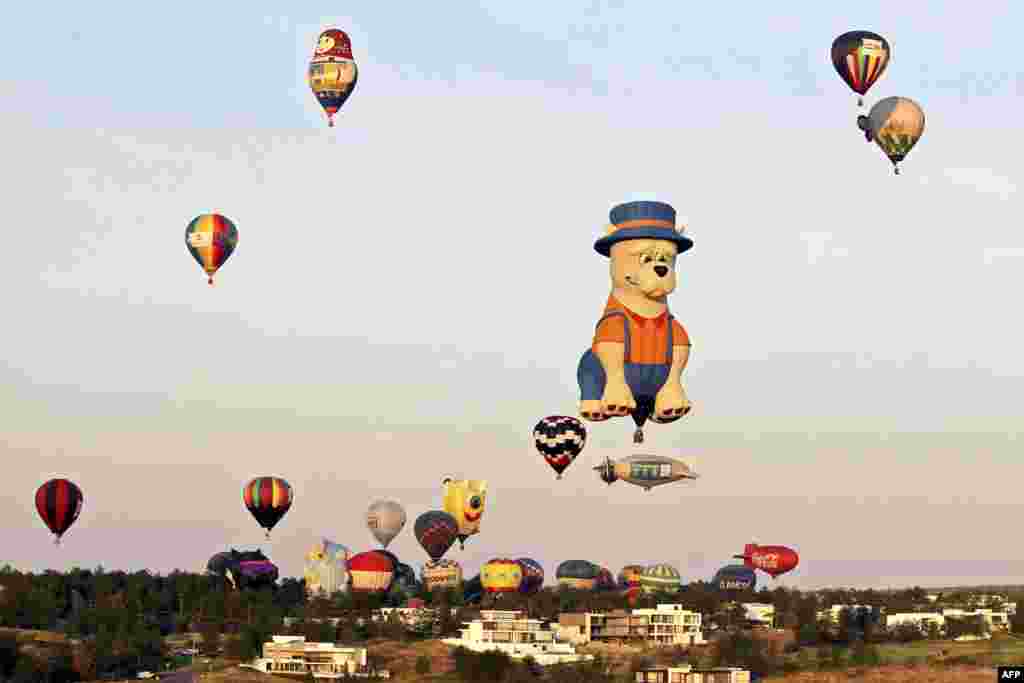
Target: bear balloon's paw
x,y
671,403
618,400
592,411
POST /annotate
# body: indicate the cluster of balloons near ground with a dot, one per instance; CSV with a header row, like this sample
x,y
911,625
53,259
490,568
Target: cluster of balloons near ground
x,y
895,124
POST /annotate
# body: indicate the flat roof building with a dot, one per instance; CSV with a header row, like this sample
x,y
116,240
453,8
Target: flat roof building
x,y
668,624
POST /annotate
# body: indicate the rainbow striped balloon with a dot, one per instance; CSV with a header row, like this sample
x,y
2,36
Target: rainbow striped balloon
x,y
211,239
268,499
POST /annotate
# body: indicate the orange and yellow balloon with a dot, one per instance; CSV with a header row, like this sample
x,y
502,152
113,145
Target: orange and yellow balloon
x,y
211,239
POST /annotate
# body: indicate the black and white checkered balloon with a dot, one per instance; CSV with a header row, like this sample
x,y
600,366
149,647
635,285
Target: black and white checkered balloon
x,y
559,439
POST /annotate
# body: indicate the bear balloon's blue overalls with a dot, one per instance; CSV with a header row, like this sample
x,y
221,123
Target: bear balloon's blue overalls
x,y
645,380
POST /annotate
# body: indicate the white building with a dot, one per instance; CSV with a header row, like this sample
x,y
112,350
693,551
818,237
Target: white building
x,y
993,618
668,624
292,655
832,613
687,674
919,619
411,617
511,632
760,613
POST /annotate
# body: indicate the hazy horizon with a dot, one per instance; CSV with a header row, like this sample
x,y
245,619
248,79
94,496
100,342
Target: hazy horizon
x,y
855,372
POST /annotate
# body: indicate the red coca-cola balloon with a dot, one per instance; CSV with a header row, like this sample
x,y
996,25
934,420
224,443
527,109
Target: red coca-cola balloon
x,y
774,560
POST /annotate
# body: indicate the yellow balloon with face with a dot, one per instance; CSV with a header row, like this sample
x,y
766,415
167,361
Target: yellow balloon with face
x,y
464,500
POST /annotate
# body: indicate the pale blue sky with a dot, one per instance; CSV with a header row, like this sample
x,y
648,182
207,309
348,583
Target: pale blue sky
x,y
412,289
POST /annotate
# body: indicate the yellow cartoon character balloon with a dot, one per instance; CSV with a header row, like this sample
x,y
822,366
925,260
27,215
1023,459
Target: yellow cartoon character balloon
x,y
464,500
501,576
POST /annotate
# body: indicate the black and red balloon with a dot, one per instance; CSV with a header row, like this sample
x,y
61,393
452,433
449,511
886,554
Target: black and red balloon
x,y
59,502
559,439
436,531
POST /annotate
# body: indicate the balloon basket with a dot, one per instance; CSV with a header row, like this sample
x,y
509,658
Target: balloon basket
x,y
896,171
559,476
209,281
860,101
638,436
267,535
56,541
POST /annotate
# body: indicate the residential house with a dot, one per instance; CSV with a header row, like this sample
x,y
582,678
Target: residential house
x,y
292,655
511,632
687,674
994,619
760,614
668,624
920,619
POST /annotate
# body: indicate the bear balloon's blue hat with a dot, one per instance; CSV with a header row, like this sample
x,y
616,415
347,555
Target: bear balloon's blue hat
x,y
642,220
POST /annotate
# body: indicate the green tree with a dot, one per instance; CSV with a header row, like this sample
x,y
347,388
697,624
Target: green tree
x,y
808,634
423,665
858,653
393,628
27,670
837,658
9,652
823,656
210,637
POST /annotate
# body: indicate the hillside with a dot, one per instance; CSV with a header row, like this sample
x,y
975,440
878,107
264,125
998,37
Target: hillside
x,y
893,674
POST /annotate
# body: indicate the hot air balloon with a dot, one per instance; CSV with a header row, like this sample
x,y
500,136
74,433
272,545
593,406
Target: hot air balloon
x,y
895,124
385,519
59,502
395,562
630,575
442,574
860,58
404,584
577,574
533,576
464,500
639,350
774,560
735,577
326,568
436,531
501,576
246,569
660,578
332,71
372,572
629,581
605,581
268,499
473,590
559,440
211,239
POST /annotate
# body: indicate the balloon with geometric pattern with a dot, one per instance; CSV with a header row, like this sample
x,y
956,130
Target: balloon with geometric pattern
x,y
211,239
559,439
860,59
268,499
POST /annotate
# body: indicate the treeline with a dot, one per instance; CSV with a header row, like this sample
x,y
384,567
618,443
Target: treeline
x,y
116,620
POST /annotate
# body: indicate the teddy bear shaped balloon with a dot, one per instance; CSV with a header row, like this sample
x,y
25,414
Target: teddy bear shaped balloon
x,y
635,363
